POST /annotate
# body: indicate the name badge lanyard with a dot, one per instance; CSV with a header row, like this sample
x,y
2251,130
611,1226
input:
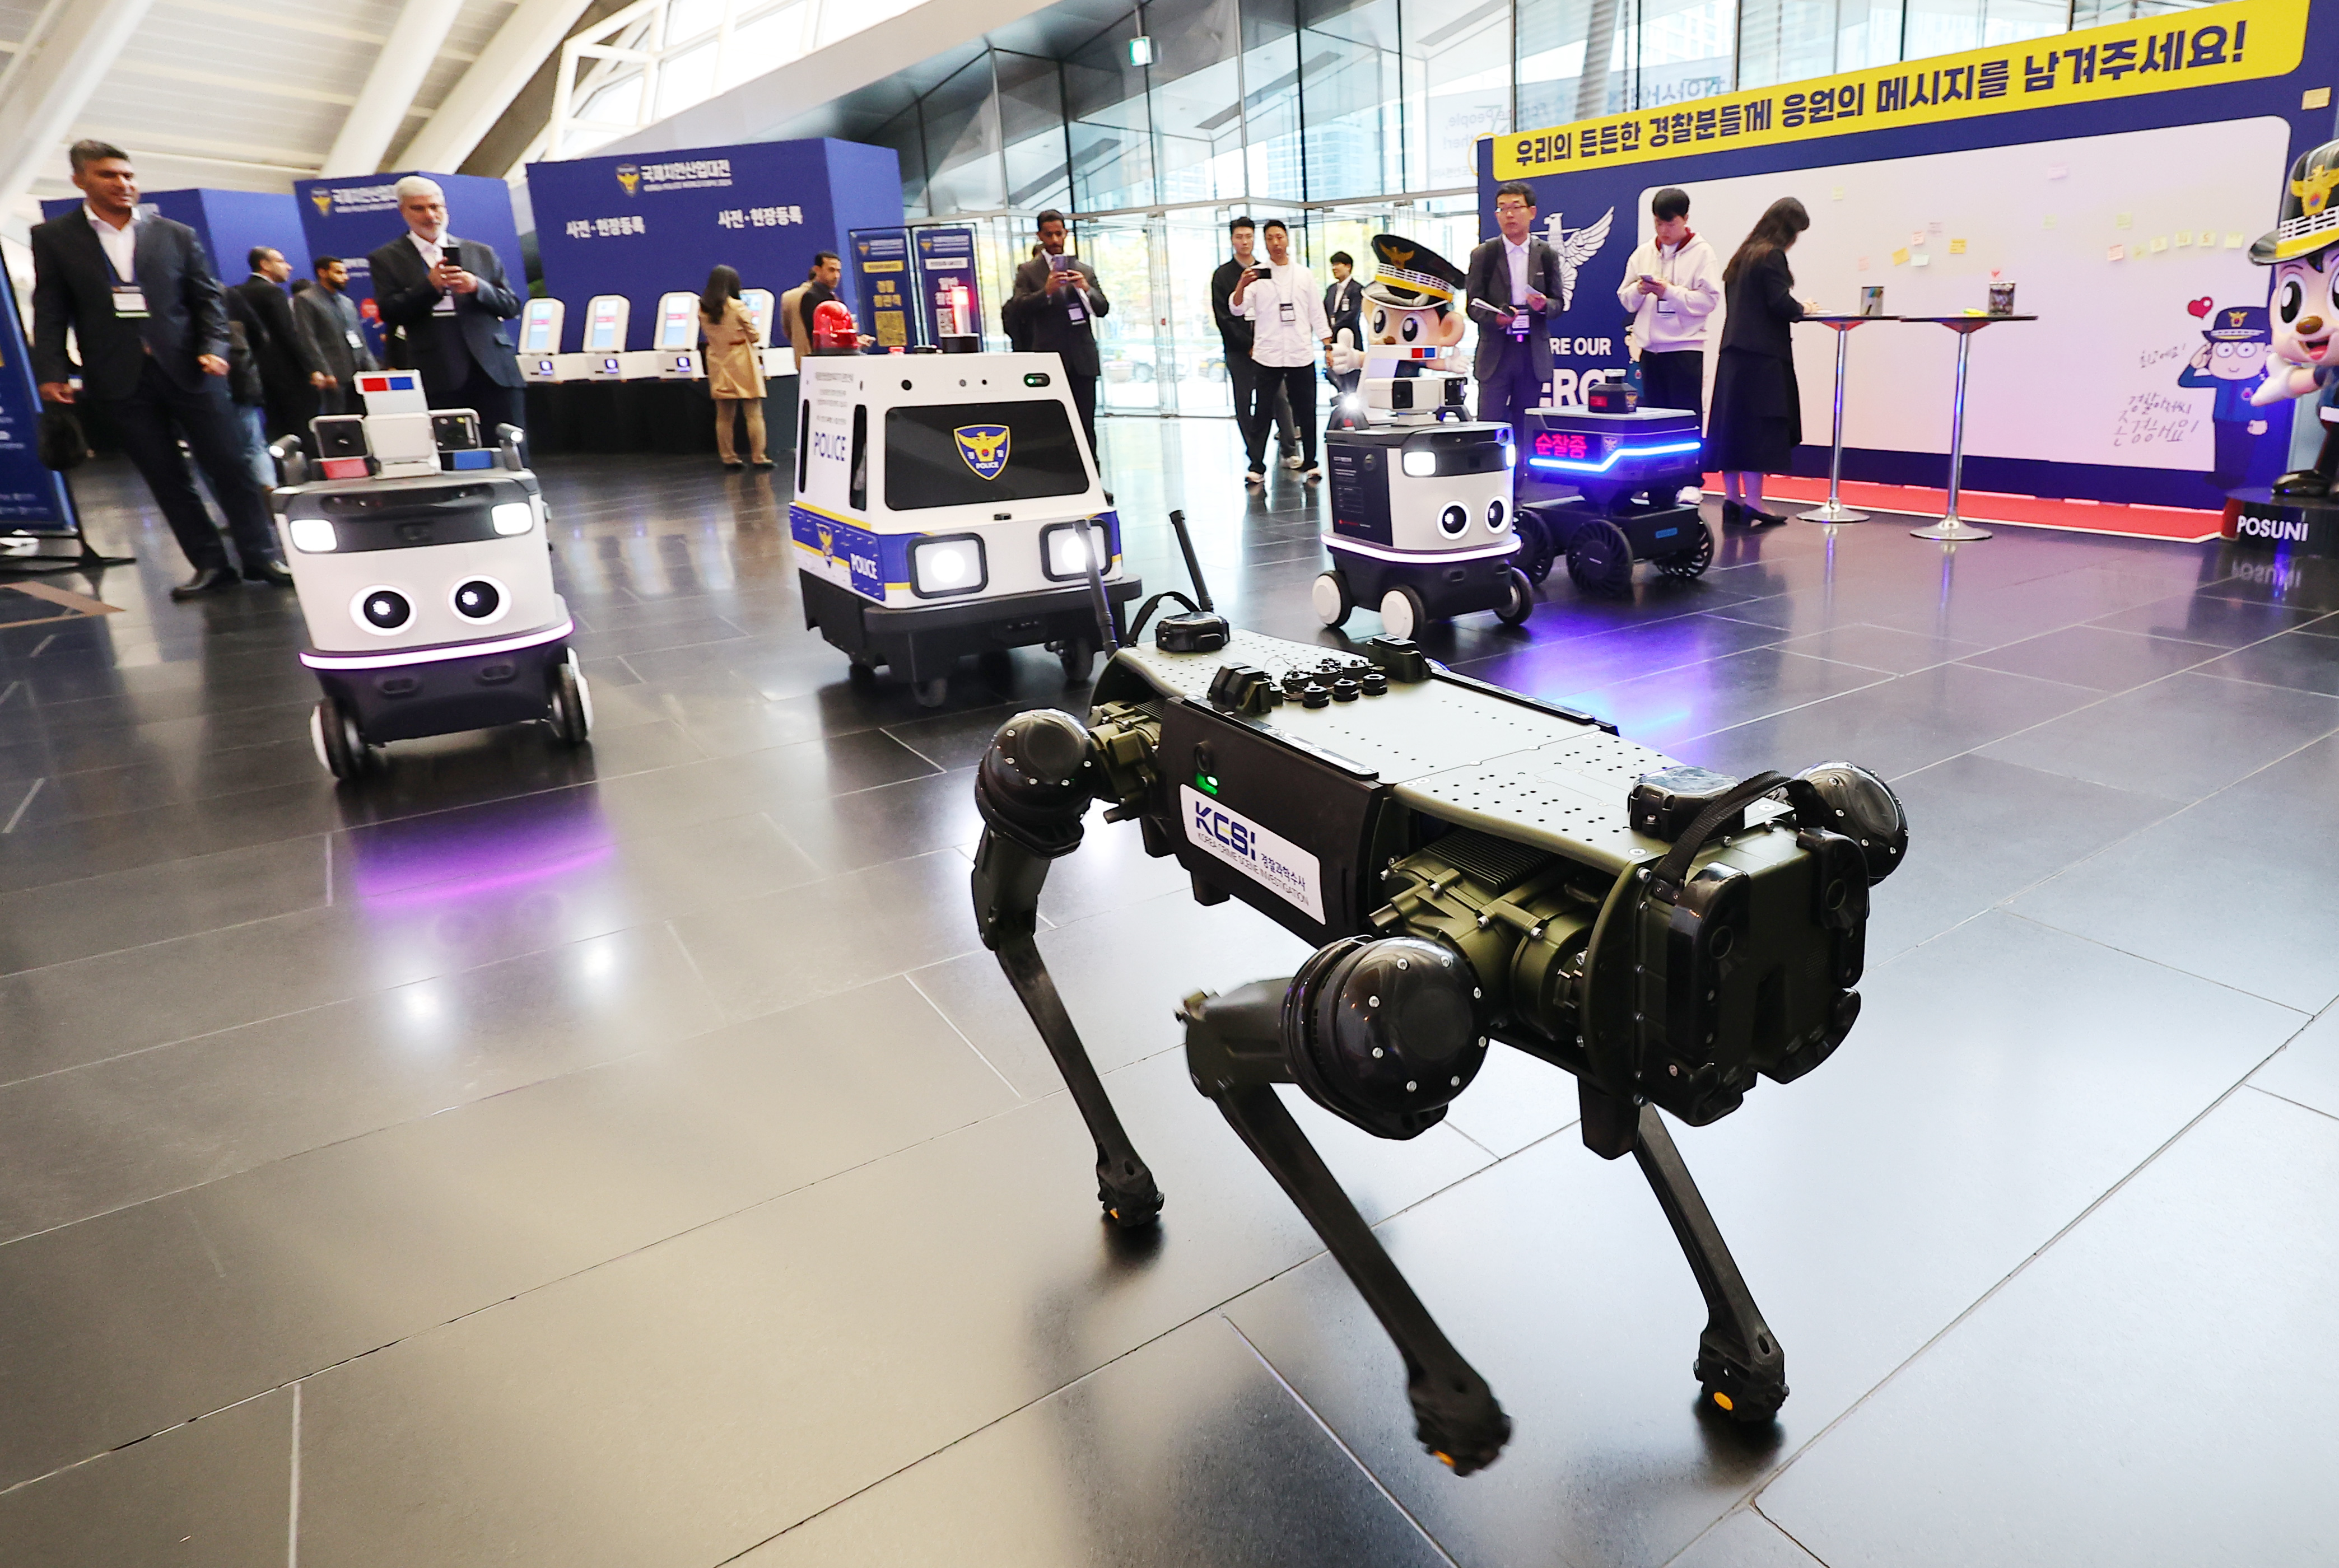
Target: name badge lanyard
x,y
129,298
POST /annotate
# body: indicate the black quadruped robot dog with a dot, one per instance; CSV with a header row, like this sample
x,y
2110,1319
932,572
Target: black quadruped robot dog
x,y
1422,523
425,578
948,505
1475,868
1600,485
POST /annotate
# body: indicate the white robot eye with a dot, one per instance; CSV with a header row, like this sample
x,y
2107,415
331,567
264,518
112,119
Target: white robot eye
x,y
480,600
383,610
1496,515
1412,328
1454,521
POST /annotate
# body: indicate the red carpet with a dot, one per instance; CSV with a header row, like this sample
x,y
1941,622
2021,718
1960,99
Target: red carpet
x,y
1992,509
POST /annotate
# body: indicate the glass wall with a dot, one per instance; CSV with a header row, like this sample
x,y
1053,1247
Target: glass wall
x,y
1343,117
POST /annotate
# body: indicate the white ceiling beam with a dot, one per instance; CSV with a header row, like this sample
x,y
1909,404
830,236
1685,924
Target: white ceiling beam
x,y
470,110
49,82
390,88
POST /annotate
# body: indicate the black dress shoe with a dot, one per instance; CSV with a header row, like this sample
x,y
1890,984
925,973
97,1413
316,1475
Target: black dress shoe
x,y
761,463
1765,519
733,467
2308,482
1731,512
206,580
276,574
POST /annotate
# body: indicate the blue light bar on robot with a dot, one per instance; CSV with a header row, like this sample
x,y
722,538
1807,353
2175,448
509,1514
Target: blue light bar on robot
x,y
1611,461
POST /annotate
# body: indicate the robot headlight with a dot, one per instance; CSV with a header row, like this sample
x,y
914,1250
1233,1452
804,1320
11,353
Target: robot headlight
x,y
1419,462
948,564
513,516
1510,453
1064,550
312,535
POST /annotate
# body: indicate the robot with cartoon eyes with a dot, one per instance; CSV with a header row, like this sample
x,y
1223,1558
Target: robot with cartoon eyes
x,y
420,554
1423,524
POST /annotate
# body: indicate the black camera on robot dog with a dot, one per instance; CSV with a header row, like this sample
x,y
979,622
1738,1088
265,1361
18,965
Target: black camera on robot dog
x,y
1474,868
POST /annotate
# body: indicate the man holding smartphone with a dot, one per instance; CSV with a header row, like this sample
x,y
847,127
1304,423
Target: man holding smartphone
x,y
444,302
1289,333
1512,279
1056,303
1671,284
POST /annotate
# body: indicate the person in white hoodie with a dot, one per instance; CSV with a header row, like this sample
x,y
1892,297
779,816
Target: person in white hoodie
x,y
1672,285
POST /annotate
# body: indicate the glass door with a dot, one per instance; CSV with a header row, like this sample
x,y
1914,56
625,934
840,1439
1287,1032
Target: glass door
x,y
1119,249
1194,245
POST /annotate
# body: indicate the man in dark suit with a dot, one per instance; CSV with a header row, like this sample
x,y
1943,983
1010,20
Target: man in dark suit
x,y
1056,298
151,322
1513,280
1344,311
290,370
329,318
444,302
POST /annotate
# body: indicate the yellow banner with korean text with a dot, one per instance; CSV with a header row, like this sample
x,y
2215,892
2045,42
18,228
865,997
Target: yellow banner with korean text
x,y
2241,42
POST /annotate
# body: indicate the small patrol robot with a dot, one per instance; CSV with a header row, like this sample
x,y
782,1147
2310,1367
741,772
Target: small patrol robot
x,y
421,560
1600,486
1422,526
948,505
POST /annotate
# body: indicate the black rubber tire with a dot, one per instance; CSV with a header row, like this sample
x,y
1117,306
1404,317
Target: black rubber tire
x,y
1521,601
1537,551
1683,565
1078,656
1599,559
1343,601
932,694
567,708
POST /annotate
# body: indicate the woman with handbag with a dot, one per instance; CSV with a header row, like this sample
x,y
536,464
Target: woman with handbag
x,y
735,371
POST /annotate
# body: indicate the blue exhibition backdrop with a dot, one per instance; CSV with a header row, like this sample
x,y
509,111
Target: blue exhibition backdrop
x,y
1589,336
32,499
647,224
355,215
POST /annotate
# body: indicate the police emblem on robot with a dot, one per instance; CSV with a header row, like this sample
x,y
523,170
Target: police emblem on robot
x,y
984,447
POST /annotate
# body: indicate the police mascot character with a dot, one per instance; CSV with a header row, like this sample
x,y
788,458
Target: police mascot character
x,y
2232,359
2300,250
1409,303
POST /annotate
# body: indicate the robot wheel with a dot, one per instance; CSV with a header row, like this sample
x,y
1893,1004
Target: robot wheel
x,y
1520,604
342,751
1683,565
568,703
1537,547
1078,656
1599,559
1331,598
1403,614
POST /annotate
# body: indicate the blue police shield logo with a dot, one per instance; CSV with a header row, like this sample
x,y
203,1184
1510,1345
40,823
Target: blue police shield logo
x,y
984,447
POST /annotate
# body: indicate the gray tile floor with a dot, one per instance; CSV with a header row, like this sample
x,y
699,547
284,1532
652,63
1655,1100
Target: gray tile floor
x,y
633,1159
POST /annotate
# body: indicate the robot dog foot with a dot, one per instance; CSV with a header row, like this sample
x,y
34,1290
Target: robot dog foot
x,y
1729,1385
1125,1189
1457,1420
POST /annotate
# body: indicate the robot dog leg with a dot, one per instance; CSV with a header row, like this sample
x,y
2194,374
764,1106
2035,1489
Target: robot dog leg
x,y
1034,785
1241,1043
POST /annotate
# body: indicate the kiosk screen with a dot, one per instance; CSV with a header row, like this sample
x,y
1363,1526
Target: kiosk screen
x,y
963,454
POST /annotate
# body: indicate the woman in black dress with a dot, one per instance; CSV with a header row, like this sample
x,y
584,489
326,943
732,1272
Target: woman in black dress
x,y
1758,409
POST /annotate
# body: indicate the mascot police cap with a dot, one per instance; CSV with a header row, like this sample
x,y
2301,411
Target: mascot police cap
x,y
2310,217
1410,276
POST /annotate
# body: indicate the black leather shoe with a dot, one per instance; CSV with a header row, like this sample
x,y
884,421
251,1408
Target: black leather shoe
x,y
1733,512
734,466
1765,519
276,574
2307,482
206,580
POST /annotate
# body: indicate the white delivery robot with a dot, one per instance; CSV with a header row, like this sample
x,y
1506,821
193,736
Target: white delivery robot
x,y
425,578
1422,520
945,504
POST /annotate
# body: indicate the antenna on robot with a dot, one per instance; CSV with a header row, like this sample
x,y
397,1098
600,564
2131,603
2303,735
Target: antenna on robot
x,y
1193,565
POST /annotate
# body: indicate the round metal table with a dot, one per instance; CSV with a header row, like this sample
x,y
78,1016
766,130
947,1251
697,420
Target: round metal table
x,y
1953,528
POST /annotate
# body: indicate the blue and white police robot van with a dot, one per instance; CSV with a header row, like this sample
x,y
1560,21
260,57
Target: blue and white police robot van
x,y
425,578
947,505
